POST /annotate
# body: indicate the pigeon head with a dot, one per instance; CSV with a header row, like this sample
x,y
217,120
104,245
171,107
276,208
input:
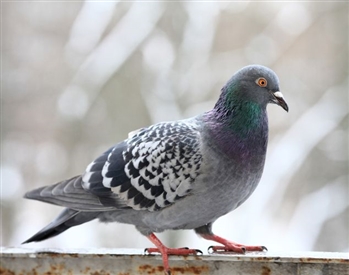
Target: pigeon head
x,y
254,85
241,107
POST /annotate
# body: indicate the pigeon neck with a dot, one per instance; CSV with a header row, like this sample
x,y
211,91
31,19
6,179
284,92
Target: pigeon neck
x,y
240,131
241,117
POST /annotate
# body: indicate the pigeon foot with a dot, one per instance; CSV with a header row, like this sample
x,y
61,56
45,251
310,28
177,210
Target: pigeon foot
x,y
228,246
166,251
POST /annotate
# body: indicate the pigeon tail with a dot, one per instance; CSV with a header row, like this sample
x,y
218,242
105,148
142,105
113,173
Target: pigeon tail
x,y
66,219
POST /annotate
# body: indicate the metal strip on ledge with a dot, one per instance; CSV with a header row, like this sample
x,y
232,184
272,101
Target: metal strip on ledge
x,y
19,261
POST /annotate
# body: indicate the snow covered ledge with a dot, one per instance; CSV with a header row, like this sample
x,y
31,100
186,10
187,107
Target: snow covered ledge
x,y
18,261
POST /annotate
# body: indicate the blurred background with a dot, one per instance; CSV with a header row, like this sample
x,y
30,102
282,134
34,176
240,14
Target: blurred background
x,y
78,76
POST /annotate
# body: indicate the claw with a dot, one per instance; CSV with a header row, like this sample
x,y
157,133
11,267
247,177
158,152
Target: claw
x,y
199,251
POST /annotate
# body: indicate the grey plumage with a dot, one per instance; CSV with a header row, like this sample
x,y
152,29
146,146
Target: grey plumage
x,y
176,175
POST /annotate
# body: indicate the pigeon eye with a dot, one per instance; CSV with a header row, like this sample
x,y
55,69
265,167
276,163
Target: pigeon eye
x,y
262,82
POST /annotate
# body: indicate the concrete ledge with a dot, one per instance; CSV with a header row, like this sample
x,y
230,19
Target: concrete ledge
x,y
19,261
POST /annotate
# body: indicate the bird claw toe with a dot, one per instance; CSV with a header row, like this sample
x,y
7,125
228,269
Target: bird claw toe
x,y
210,249
213,250
198,251
149,251
236,249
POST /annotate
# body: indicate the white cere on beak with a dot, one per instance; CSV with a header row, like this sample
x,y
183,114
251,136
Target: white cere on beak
x,y
278,94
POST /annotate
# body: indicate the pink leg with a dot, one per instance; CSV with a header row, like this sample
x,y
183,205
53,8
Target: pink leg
x,y
165,251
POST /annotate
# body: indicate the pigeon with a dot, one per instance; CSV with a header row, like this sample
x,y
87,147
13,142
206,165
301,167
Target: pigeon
x,y
176,175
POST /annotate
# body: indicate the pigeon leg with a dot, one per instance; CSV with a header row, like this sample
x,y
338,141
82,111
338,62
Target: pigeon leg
x,y
165,251
228,246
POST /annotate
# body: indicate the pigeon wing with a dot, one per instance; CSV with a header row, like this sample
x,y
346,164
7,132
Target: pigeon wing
x,y
149,171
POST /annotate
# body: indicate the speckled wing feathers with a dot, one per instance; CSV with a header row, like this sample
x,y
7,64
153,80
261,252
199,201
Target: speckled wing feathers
x,y
150,170
70,193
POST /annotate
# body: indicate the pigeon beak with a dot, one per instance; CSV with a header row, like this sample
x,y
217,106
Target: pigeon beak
x,y
278,99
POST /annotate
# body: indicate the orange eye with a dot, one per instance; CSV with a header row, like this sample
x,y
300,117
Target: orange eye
x,y
261,82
